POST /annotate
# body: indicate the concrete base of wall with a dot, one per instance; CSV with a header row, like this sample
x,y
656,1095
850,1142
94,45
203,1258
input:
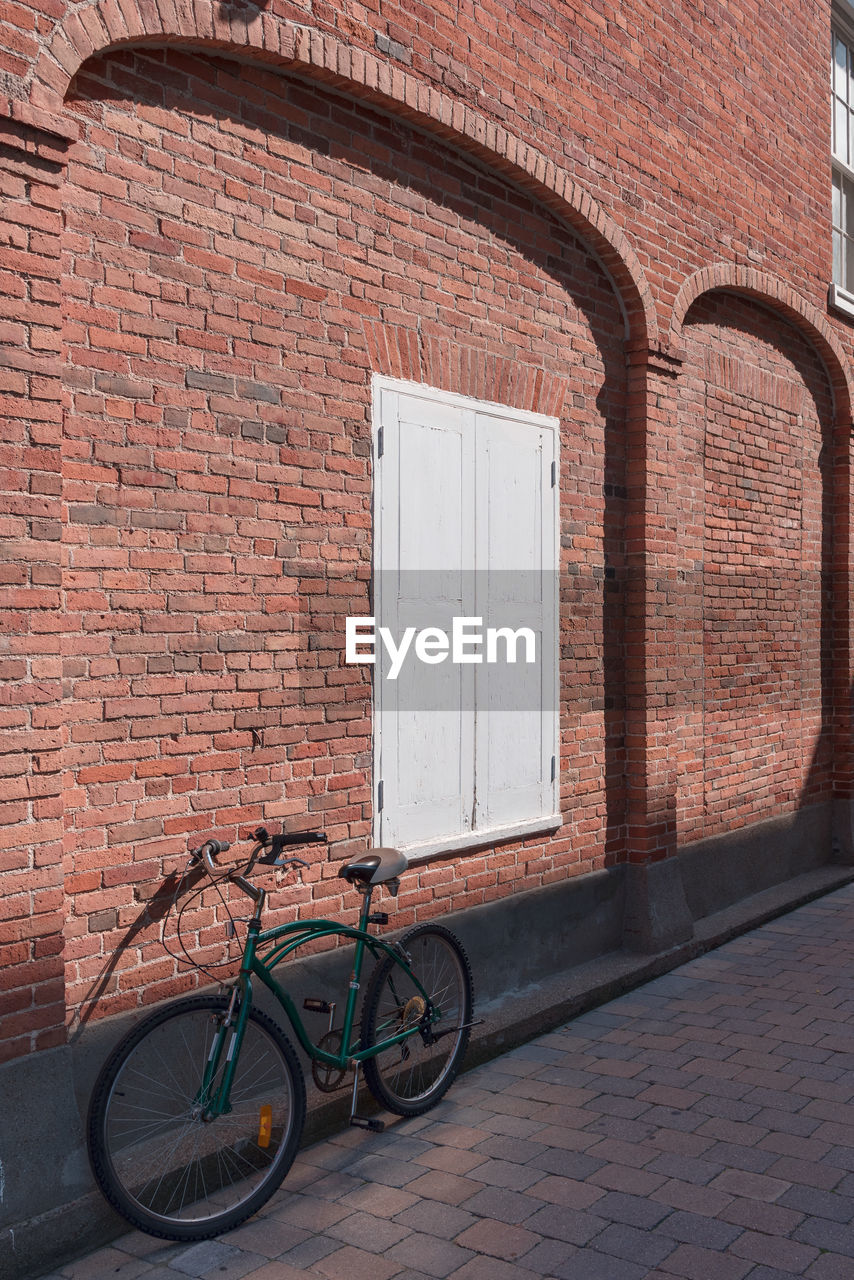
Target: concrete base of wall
x,y
656,917
538,958
726,868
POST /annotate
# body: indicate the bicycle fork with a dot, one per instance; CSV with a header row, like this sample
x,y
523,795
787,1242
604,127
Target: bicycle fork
x,y
211,1101
221,1103
217,1102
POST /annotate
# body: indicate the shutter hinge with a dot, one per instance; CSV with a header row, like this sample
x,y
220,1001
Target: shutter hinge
x,y
554,474
380,441
553,769
380,790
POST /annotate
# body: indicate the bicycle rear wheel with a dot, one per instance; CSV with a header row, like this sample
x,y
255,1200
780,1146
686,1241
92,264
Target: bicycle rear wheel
x,y
412,1076
165,1167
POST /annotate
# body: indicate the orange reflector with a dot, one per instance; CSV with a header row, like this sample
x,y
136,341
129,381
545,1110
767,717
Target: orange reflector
x,y
265,1126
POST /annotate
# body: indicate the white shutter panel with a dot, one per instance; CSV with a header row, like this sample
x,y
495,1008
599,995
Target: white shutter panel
x,y
516,540
424,525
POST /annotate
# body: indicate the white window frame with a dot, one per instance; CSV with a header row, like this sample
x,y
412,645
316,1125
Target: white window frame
x,y
841,291
539,823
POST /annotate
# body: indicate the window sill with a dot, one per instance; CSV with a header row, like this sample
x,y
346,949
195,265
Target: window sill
x,y
477,839
841,300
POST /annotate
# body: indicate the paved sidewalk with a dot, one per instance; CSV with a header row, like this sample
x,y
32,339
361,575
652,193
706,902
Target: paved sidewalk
x,y
701,1127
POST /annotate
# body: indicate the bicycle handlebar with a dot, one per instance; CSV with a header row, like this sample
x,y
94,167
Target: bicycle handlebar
x,y
208,851
274,846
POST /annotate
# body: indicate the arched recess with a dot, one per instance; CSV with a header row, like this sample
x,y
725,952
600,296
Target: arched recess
x,y
236,435
126,23
765,411
771,292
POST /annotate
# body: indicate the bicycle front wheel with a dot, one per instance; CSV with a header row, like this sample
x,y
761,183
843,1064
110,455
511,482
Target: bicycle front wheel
x,y
169,1167
410,1077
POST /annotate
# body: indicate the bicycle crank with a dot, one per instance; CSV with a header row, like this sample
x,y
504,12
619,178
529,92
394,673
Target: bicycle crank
x,y
329,1078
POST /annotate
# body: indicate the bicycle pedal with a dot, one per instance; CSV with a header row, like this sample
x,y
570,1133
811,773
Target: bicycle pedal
x,y
362,1122
316,1006
378,917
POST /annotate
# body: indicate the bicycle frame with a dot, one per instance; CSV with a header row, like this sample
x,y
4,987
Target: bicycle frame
x,y
289,938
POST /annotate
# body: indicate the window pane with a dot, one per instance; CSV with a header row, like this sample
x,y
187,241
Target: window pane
x,y
848,282
846,222
837,199
837,257
840,67
840,131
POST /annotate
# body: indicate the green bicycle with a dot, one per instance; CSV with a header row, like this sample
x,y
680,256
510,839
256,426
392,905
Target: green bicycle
x,y
197,1114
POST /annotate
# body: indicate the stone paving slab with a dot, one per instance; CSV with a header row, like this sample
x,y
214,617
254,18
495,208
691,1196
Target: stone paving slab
x,y
700,1127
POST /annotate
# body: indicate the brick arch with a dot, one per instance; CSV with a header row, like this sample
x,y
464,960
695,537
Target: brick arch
x,y
782,298
109,24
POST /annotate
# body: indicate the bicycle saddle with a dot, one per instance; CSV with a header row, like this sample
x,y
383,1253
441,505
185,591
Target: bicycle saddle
x,y
374,867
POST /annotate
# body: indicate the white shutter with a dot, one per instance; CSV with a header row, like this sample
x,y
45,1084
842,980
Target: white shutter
x,y
425,527
465,524
516,540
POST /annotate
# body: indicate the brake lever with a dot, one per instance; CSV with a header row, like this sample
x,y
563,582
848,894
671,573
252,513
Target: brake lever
x,y
253,857
276,844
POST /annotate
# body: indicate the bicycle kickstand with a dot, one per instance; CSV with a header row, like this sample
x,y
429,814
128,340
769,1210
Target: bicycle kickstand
x,y
362,1122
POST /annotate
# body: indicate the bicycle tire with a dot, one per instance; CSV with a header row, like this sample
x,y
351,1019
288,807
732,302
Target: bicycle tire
x,y
411,1077
166,1169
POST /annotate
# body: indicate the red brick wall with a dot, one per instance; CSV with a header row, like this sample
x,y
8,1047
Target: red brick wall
x,y
657,110
228,285
216,454
32,909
